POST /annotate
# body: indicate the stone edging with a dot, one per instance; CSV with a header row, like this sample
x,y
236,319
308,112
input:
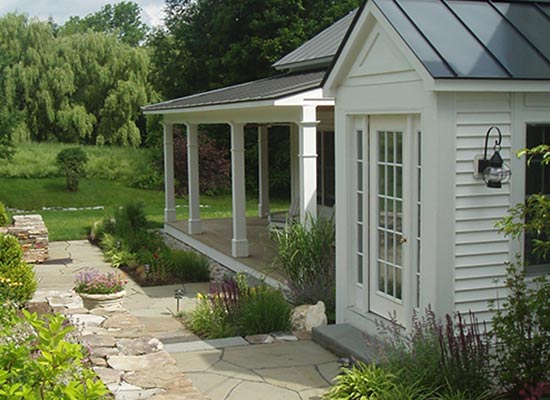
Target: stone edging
x,y
131,363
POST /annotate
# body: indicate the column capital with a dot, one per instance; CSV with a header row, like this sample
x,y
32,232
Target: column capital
x,y
236,125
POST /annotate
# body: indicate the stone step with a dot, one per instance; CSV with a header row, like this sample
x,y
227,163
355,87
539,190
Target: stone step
x,y
345,340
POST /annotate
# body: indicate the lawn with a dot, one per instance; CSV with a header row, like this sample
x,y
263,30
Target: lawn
x,y
32,195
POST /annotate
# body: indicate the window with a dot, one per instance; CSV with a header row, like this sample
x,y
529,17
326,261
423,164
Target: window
x,y
325,168
537,180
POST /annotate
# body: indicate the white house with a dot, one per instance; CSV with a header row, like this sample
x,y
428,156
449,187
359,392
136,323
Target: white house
x,y
412,89
417,85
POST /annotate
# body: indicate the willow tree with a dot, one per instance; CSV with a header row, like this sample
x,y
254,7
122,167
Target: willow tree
x,y
80,88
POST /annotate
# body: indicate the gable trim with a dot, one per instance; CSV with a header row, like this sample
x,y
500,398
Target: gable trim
x,y
369,8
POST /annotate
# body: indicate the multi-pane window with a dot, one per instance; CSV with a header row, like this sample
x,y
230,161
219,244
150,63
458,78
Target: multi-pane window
x,y
418,215
537,180
390,213
359,197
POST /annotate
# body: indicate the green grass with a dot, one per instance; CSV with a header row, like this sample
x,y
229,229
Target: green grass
x,y
37,160
31,195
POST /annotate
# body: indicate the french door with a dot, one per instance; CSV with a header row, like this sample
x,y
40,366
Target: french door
x,y
385,169
387,205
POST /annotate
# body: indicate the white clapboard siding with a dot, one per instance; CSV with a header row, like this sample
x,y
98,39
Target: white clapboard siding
x,y
480,250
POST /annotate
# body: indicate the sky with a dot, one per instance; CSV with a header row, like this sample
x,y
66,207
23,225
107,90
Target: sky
x,y
61,10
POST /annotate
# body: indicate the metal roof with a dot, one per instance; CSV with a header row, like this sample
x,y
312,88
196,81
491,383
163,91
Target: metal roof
x,y
264,89
475,38
319,50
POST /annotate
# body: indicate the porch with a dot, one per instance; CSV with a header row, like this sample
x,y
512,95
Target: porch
x,y
213,242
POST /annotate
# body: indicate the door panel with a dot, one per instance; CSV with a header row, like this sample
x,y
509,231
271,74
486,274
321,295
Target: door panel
x,y
388,202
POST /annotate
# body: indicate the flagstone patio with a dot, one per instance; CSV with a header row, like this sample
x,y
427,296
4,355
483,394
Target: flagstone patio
x,y
134,364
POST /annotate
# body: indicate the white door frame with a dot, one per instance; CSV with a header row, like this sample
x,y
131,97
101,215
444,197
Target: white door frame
x,y
366,297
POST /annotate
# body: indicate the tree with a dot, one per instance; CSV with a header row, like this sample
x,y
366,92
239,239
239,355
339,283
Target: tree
x,y
71,162
208,44
122,19
79,88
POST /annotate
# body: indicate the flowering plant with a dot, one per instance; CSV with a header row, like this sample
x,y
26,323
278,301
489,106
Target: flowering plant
x,y
94,282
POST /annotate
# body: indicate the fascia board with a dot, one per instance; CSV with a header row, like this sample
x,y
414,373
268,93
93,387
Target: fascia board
x,y
490,85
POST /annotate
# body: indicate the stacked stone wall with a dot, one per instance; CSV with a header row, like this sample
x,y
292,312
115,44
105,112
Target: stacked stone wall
x,y
32,234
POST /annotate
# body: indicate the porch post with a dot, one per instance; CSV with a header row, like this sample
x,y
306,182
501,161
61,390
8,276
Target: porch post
x,y
308,163
239,243
169,197
194,223
263,171
294,165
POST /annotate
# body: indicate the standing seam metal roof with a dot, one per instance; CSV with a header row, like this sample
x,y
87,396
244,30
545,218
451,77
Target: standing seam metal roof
x,y
263,89
475,39
322,47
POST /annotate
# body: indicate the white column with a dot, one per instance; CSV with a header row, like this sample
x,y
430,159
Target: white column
x,y
308,163
170,199
239,243
194,223
263,172
294,165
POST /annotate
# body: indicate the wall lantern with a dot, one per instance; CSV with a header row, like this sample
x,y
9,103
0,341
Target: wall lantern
x,y
493,171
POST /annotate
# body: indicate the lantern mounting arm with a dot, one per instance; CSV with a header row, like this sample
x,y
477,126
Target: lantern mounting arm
x,y
497,142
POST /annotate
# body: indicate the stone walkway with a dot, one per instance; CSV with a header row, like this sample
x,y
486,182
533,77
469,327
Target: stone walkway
x,y
136,365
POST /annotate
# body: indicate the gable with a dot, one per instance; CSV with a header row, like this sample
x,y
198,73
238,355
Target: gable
x,y
379,56
373,52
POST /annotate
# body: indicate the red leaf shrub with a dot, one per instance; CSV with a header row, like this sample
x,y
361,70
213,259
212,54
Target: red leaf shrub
x,y
214,165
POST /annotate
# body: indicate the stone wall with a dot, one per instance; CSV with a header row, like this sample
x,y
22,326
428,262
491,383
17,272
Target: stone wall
x,y
32,234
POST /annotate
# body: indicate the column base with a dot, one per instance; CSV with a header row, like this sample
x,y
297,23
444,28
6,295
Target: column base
x,y
169,215
239,248
194,226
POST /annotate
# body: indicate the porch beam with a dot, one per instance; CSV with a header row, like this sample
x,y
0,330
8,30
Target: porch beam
x,y
263,171
194,222
308,163
239,243
169,197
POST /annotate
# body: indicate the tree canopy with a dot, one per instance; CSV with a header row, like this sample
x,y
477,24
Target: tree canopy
x,y
84,81
208,44
122,19
85,87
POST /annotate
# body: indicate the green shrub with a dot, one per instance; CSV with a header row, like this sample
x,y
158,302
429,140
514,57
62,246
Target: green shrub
x,y
521,328
130,223
189,266
4,217
263,309
71,162
232,308
39,361
363,382
209,319
437,355
13,267
116,251
306,254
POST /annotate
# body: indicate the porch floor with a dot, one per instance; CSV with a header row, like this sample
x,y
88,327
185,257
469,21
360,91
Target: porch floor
x,y
215,242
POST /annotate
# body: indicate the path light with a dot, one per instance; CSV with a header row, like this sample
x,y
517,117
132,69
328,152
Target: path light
x,y
147,269
493,171
178,295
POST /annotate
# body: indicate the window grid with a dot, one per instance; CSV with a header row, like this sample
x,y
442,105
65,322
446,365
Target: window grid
x,y
390,206
419,215
360,211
